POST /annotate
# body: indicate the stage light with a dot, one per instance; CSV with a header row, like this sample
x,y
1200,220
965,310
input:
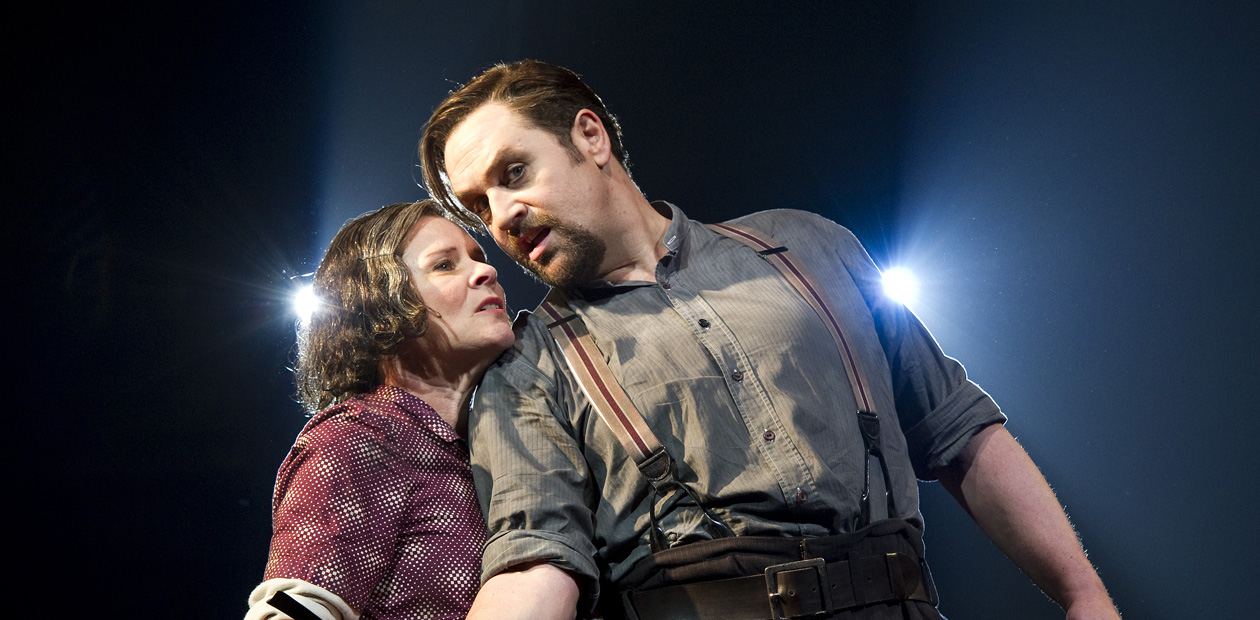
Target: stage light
x,y
901,285
305,302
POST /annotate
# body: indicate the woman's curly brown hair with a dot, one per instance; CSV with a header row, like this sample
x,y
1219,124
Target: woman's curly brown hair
x,y
367,306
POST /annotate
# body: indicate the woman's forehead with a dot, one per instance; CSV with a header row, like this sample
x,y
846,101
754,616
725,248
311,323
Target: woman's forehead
x,y
434,233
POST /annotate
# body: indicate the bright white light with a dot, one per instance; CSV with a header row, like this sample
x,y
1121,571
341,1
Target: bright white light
x,y
901,285
305,302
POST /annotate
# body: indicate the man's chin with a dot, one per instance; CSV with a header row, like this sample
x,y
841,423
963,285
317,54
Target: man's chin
x,y
540,273
532,270
578,263
557,273
554,277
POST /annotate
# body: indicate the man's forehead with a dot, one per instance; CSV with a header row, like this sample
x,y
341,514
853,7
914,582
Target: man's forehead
x,y
484,133
488,120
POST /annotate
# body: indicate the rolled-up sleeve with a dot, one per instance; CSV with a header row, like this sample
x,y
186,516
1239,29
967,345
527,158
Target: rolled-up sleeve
x,y
531,477
938,407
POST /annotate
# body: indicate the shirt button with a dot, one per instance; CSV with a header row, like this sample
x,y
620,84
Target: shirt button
x,y
665,285
704,323
737,375
768,435
801,495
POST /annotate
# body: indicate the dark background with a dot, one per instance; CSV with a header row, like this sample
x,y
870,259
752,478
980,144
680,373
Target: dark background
x,y
1075,183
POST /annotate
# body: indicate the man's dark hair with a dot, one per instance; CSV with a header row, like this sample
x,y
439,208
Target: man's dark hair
x,y
546,95
367,306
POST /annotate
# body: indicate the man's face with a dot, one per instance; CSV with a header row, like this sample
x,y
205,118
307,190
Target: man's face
x,y
542,208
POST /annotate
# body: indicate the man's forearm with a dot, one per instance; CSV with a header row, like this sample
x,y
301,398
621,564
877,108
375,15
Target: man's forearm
x,y
535,592
1006,494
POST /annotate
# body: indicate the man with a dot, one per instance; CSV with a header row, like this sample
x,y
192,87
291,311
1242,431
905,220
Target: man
x,y
735,373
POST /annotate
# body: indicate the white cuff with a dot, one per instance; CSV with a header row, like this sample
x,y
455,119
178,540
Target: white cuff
x,y
321,602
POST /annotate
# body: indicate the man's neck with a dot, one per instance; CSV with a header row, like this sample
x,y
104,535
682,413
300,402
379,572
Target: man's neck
x,y
639,243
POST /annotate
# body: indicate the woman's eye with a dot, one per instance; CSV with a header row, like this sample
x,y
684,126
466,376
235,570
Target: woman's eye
x,y
444,265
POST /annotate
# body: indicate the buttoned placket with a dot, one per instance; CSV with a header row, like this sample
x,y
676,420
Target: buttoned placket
x,y
749,395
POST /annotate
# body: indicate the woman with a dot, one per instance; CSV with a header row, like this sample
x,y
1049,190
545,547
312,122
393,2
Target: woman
x,y
374,511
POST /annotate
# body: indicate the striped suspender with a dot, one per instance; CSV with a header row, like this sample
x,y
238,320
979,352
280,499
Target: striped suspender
x,y
800,279
620,415
627,424
600,386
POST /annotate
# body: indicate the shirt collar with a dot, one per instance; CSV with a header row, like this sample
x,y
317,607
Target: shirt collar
x,y
419,411
676,235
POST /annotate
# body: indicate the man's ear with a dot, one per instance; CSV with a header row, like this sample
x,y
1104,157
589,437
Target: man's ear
x,y
591,137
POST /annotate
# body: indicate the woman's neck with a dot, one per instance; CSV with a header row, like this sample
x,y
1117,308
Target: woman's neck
x,y
443,384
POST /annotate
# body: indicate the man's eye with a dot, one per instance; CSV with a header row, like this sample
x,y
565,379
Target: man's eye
x,y
482,210
515,172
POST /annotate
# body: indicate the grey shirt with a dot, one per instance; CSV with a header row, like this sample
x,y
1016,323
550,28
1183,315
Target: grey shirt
x,y
739,379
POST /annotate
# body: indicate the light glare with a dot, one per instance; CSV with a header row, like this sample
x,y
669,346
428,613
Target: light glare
x,y
901,286
304,302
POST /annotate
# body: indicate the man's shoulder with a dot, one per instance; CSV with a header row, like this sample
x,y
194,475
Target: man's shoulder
x,y
530,355
787,221
796,227
783,217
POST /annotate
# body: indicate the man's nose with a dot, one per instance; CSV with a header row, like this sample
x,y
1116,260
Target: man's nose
x,y
505,211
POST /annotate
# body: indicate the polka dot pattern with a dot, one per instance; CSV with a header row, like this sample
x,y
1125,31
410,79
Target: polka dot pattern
x,y
375,502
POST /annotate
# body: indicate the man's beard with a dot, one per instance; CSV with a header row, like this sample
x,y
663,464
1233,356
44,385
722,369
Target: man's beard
x,y
574,256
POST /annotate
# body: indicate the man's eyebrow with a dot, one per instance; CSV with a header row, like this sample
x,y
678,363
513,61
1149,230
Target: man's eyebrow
x,y
504,154
499,160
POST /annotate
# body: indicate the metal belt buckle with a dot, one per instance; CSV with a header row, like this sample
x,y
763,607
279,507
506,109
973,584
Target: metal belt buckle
x,y
777,611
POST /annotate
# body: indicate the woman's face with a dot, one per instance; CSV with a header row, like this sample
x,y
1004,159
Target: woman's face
x,y
468,313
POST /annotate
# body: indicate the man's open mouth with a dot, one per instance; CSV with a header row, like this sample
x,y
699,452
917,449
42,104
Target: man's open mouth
x,y
533,242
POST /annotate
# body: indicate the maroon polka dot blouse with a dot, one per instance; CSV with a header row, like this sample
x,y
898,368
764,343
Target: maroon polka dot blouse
x,y
375,503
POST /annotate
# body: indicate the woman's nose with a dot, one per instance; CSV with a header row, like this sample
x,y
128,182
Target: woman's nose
x,y
485,275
